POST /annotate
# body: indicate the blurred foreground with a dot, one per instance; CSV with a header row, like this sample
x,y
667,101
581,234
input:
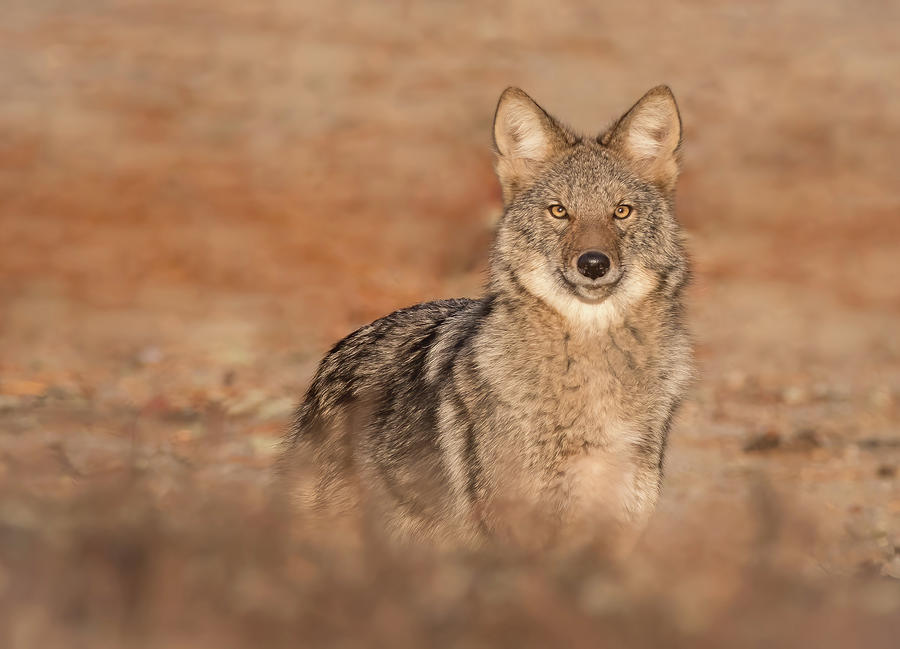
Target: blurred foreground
x,y
198,198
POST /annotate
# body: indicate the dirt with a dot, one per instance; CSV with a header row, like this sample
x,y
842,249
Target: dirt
x,y
198,198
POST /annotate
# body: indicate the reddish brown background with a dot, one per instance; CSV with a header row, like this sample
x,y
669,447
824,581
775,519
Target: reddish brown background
x,y
198,197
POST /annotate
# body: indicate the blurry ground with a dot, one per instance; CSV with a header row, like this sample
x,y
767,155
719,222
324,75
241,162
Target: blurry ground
x,y
197,198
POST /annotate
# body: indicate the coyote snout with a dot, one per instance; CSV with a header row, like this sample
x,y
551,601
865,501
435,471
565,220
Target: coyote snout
x,y
550,397
591,275
591,264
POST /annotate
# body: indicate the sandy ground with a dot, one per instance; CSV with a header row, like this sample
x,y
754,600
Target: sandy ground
x,y
199,197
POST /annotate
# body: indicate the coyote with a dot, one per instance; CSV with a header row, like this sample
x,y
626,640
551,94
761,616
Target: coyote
x,y
550,398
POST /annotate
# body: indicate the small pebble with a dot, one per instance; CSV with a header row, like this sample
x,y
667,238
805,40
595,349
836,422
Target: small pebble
x,y
794,395
881,397
805,439
151,355
764,442
736,380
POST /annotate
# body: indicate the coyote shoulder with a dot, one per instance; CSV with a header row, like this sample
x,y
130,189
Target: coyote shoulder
x,y
541,409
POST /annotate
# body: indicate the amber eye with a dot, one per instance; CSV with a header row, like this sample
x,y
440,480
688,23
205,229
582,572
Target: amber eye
x,y
622,211
558,211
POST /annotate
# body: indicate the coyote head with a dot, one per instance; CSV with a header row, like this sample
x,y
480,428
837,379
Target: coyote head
x,y
588,226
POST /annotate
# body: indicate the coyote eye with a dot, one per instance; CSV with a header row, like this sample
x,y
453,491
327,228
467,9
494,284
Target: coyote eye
x,y
622,211
558,211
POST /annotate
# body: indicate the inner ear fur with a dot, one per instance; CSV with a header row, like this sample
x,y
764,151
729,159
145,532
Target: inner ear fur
x,y
526,137
648,136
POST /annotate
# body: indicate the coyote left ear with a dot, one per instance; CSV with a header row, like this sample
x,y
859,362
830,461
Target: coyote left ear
x,y
649,136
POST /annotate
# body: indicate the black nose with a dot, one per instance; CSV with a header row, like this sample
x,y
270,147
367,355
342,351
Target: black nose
x,y
593,264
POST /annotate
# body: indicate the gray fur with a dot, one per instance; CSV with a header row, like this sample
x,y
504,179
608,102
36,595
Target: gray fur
x,y
541,410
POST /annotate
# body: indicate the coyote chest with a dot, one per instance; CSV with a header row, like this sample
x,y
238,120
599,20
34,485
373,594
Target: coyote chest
x,y
581,426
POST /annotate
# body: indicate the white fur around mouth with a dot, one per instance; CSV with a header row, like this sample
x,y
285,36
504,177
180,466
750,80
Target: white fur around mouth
x,y
590,314
591,294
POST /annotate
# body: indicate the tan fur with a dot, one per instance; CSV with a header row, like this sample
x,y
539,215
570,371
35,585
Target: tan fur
x,y
539,413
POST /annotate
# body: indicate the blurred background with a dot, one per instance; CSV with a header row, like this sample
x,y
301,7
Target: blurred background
x,y
197,198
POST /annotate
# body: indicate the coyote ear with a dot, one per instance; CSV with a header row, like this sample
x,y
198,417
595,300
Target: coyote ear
x,y
525,137
649,135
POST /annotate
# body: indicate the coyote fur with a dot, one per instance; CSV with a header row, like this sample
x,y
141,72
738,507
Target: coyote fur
x,y
540,410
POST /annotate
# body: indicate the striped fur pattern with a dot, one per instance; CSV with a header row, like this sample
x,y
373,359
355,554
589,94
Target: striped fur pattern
x,y
539,412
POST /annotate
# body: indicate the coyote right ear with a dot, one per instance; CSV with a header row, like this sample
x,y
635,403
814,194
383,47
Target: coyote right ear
x,y
525,137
